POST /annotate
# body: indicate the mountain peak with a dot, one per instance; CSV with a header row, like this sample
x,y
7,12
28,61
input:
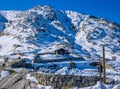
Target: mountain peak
x,y
39,7
43,29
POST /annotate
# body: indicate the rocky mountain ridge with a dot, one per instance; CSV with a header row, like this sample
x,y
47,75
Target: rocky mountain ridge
x,y
44,29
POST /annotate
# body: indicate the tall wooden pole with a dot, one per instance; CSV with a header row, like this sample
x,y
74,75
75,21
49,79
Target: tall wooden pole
x,y
104,60
100,68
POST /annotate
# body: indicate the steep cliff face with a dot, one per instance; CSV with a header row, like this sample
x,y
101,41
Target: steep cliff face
x,y
44,29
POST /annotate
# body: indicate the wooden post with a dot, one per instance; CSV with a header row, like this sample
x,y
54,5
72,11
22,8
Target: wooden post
x,y
104,60
100,68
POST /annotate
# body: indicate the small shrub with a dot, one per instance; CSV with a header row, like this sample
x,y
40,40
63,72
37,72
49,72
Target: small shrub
x,y
0,46
72,64
68,87
36,57
21,54
6,59
11,71
1,67
20,63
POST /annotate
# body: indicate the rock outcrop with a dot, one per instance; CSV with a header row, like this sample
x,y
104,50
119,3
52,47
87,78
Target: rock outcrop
x,y
17,81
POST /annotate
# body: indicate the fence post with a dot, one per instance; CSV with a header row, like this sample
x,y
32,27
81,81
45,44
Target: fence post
x,y
104,61
100,67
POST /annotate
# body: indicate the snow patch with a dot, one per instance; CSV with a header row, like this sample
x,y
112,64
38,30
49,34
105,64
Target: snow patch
x,y
29,77
5,73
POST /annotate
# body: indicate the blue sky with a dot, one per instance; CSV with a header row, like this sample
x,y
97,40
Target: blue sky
x,y
109,9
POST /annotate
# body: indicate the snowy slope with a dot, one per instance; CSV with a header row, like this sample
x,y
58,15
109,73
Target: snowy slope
x,y
44,29
93,32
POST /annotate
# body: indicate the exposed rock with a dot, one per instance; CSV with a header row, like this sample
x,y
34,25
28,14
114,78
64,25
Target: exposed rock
x,y
17,81
19,85
109,66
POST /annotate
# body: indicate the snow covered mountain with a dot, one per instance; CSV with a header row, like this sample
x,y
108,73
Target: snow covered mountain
x,y
44,29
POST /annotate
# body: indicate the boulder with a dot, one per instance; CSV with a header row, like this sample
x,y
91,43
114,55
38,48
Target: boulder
x,y
17,81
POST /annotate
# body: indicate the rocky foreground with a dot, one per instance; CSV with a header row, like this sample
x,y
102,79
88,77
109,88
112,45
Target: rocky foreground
x,y
32,80
17,81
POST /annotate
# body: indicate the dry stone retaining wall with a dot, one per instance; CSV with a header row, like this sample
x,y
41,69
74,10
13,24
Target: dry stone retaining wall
x,y
65,81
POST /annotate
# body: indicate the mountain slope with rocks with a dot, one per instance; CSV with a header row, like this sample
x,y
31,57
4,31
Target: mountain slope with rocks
x,y
44,29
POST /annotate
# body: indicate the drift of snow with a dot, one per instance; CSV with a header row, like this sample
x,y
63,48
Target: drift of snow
x,y
44,87
29,77
5,73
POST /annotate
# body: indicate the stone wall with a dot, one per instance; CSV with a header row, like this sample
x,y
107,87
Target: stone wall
x,y
38,60
65,81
